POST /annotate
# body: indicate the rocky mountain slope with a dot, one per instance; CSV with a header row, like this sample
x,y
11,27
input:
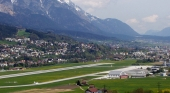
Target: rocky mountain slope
x,y
55,15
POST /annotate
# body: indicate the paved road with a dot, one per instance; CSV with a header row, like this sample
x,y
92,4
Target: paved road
x,y
51,70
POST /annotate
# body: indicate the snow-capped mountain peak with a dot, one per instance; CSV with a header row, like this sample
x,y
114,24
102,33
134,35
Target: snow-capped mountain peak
x,y
67,1
57,15
12,1
41,3
77,8
64,1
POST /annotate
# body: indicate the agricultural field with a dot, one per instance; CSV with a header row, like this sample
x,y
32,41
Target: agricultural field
x,y
24,80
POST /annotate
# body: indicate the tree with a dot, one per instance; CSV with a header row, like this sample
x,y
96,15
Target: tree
x,y
78,83
6,68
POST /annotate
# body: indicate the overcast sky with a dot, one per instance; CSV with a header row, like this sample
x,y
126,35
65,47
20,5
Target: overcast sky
x,y
141,15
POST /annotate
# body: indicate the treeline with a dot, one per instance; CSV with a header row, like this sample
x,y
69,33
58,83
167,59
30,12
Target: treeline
x,y
7,31
10,31
48,36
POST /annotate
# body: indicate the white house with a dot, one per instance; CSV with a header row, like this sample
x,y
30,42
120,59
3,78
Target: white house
x,y
3,64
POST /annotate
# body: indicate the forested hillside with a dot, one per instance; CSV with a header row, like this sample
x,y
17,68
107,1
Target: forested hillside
x,y
7,31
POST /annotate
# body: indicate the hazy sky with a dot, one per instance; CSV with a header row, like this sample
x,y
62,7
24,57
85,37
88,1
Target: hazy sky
x,y
141,15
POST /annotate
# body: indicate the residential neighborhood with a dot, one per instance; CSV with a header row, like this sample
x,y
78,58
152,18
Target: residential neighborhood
x,y
32,53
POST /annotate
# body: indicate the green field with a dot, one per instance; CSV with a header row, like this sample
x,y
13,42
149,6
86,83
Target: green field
x,y
52,85
122,86
22,33
58,75
2,42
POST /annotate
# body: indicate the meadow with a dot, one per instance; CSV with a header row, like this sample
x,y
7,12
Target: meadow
x,y
126,85
22,33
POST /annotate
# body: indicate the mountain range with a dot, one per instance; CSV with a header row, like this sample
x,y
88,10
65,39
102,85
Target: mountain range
x,y
59,16
163,32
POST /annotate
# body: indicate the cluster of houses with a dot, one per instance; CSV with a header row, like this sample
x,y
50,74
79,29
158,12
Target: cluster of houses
x,y
13,52
154,54
157,53
20,40
26,47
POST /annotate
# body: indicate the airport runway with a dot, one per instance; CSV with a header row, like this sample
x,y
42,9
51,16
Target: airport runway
x,y
51,70
67,68
54,81
59,80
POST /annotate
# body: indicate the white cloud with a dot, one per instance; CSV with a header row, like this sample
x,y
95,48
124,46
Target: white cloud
x,y
132,21
151,19
91,5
